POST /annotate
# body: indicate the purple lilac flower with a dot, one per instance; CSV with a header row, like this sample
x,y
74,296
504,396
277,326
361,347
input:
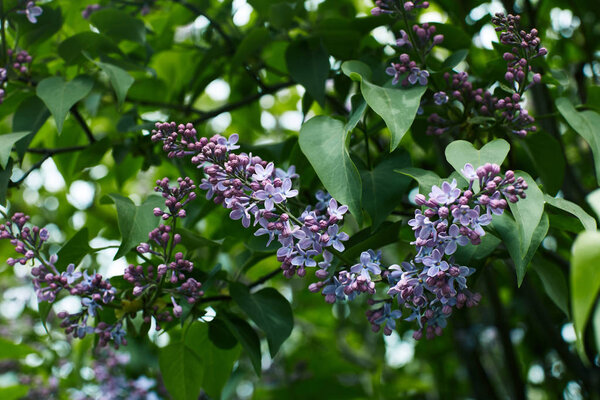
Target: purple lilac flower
x,y
418,75
31,11
447,194
366,267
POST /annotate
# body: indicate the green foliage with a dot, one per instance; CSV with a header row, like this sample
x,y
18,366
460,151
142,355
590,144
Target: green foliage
x,y
8,141
59,96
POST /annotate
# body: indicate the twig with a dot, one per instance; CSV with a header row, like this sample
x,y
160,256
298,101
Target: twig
x,y
83,124
52,152
265,278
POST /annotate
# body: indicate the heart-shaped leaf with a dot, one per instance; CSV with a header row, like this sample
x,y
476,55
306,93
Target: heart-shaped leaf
x,y
397,107
7,142
323,141
59,96
182,371
460,152
425,178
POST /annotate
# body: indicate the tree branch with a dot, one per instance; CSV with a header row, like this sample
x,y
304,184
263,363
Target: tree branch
x,y
83,124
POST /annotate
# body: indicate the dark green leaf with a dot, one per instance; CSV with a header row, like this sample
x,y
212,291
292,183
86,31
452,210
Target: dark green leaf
x,y
93,44
545,153
74,250
323,142
59,96
182,371
219,334
46,26
5,175
255,40
120,80
29,116
135,222
119,25
383,188
426,179
454,59
397,107
554,283
586,124
466,254
528,211
308,64
269,310
244,333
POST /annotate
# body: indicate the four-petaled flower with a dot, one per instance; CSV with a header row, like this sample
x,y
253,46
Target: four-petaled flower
x,y
71,275
336,211
270,195
447,194
31,11
289,174
366,267
418,75
336,238
286,189
454,238
469,172
435,263
305,258
261,173
230,143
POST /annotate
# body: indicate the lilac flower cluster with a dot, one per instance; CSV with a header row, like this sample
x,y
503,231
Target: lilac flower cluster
x,y
478,102
31,11
19,62
257,193
48,282
397,7
89,10
112,381
175,271
431,284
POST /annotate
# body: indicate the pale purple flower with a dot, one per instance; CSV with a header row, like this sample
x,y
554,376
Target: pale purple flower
x,y
418,75
336,237
240,212
469,172
389,317
31,11
478,222
322,200
453,238
270,195
440,98
261,173
334,211
366,267
327,258
464,214
289,174
422,225
71,275
230,143
404,40
286,189
435,263
395,72
305,258
447,194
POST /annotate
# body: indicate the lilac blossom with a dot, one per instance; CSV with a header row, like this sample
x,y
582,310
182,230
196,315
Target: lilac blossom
x,y
31,11
447,194
366,267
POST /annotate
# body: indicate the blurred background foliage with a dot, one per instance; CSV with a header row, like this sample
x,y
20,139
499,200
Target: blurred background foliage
x,y
241,67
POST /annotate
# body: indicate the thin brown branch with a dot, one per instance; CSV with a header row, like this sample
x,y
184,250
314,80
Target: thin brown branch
x,y
83,124
59,150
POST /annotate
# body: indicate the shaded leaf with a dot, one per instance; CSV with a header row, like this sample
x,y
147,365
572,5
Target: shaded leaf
x,y
182,371
244,333
74,250
528,211
59,96
120,80
308,64
554,283
119,25
7,141
588,222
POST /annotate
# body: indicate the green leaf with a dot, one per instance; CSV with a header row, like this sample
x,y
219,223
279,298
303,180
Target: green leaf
x,y
120,80
182,371
193,241
369,238
269,310
244,333
308,64
13,392
528,211
323,142
510,234
588,222
93,44
383,188
29,116
217,363
460,152
59,96
13,351
119,25
466,254
8,140
426,179
219,334
135,222
5,175
593,200
596,324
46,26
454,59
554,283
397,107
546,154
253,41
585,280
359,106
586,124
74,250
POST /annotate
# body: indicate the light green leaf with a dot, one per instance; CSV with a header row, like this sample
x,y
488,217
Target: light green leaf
x,y
554,283
182,371
593,200
383,188
510,234
120,80
528,211
217,363
13,392
59,96
397,107
585,280
425,178
135,222
269,310
586,124
308,64
8,141
460,152
13,351
323,142
588,222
